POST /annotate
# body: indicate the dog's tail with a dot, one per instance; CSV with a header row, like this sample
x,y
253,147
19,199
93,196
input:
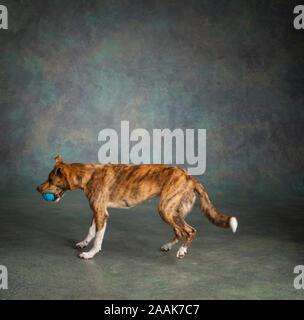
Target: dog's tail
x,y
211,213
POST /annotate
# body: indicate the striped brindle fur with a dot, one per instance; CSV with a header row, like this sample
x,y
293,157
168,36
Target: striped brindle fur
x,y
124,186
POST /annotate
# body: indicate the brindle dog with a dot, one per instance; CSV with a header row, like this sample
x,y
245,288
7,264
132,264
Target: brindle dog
x,y
124,186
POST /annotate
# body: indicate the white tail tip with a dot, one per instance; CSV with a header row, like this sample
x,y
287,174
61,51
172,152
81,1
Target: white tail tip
x,y
233,224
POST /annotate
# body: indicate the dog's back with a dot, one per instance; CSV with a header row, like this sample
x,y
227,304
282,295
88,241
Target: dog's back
x,y
125,185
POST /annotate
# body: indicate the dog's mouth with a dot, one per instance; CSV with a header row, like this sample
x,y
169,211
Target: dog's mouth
x,y
58,196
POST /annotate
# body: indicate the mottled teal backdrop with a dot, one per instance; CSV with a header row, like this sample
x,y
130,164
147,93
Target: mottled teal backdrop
x,y
71,68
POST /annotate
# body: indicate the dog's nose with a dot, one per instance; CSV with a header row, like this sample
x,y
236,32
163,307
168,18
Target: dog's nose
x,y
38,188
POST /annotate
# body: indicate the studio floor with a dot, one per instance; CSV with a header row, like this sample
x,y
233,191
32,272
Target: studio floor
x,y
37,247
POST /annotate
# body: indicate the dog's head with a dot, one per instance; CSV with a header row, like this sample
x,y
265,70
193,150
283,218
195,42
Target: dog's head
x,y
58,181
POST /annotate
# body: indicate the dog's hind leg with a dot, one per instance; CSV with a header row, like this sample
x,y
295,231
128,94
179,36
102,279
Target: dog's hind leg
x,y
167,213
89,237
190,233
173,208
100,217
177,237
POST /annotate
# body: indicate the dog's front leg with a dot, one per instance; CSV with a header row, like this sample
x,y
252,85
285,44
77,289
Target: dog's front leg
x,y
89,237
100,218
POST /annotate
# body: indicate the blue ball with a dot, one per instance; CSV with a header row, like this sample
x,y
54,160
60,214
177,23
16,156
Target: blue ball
x,y
48,196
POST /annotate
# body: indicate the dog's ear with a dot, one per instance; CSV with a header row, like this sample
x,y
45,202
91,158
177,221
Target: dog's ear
x,y
59,172
64,171
58,159
67,172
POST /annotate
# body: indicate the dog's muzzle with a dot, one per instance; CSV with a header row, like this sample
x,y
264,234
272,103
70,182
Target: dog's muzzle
x,y
58,197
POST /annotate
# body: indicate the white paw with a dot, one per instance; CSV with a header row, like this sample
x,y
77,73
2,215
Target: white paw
x,y
81,244
181,252
166,247
87,255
